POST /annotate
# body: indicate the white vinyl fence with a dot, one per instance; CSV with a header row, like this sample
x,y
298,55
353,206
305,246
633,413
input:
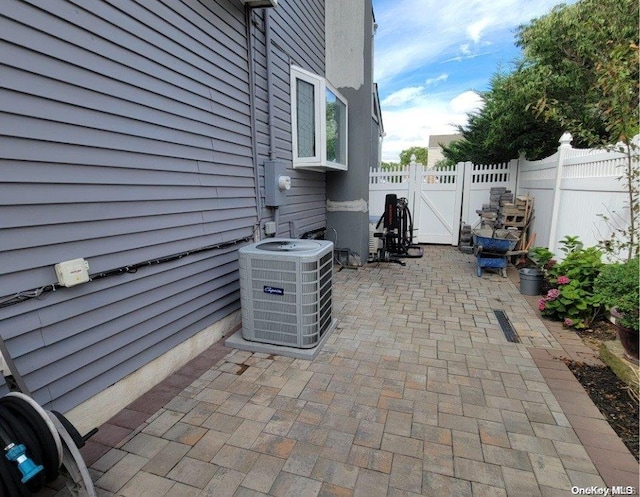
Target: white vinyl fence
x,y
478,181
572,189
434,199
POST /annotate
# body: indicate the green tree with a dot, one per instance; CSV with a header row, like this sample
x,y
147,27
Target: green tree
x,y
584,61
421,154
587,62
505,127
578,73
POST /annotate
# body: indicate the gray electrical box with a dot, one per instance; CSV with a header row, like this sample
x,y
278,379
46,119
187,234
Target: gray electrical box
x,y
274,195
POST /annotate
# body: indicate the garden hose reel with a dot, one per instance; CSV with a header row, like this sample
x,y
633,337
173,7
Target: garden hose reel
x,y
39,446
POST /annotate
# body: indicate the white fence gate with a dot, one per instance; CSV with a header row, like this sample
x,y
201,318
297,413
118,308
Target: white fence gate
x,y
572,190
435,199
440,200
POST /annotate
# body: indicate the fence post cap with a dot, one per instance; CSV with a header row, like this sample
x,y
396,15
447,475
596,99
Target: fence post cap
x,y
565,139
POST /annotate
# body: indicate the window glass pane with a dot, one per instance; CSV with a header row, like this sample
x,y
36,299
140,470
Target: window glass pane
x,y
306,119
336,129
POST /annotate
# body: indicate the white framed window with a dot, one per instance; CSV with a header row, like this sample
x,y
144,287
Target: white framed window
x,y
318,123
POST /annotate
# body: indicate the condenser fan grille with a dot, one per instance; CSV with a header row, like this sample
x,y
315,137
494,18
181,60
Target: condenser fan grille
x,y
326,273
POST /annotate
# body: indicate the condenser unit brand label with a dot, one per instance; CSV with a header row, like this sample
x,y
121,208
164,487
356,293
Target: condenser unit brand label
x,y
273,290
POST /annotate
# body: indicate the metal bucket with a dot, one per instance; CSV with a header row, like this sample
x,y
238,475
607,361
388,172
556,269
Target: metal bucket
x,y
530,281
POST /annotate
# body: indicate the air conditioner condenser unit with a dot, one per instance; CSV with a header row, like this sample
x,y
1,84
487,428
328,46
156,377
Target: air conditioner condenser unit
x,y
285,291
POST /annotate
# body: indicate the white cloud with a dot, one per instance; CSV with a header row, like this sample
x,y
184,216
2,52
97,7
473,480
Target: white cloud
x,y
402,96
461,58
436,80
412,125
414,32
474,30
466,102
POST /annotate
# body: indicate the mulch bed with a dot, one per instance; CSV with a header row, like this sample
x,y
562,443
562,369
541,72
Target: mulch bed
x,y
608,392
600,331
611,395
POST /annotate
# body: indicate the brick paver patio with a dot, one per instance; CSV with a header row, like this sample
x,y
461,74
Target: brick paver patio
x,y
417,392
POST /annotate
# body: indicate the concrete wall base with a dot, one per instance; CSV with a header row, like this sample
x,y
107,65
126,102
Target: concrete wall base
x,y
103,406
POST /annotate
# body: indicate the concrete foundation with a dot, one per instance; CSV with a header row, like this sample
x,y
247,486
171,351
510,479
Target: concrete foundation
x,y
236,341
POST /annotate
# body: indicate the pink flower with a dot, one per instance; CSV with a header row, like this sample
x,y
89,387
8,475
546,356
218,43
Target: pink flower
x,y
542,304
568,323
553,294
563,280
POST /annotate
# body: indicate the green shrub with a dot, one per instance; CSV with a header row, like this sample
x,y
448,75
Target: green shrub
x,y
618,285
541,257
572,298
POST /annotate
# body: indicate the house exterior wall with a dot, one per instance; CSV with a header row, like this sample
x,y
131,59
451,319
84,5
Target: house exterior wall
x,y
348,191
291,34
434,150
129,139
127,136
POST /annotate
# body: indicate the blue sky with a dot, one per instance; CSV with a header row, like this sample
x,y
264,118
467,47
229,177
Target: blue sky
x,y
431,56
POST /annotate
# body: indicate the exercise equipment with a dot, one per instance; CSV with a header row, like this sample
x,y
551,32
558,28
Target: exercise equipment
x,y
397,232
39,446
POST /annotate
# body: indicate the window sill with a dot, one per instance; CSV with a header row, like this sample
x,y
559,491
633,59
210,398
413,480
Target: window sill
x,y
321,167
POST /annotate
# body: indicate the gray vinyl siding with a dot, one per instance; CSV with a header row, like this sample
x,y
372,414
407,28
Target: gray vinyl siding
x,y
125,136
297,35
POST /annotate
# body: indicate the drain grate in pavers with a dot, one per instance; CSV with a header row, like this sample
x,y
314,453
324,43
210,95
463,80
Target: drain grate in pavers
x,y
507,328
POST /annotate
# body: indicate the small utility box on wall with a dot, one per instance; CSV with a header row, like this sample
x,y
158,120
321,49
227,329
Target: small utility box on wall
x,y
73,272
276,183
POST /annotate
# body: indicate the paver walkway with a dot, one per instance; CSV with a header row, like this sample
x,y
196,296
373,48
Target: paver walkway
x,y
417,392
